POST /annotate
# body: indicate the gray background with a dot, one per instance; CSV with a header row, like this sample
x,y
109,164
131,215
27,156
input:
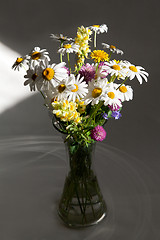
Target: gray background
x,y
134,28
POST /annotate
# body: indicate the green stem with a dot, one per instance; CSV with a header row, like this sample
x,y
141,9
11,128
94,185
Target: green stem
x,y
97,66
69,64
79,201
42,94
23,66
99,105
112,78
61,59
123,82
110,55
95,39
90,199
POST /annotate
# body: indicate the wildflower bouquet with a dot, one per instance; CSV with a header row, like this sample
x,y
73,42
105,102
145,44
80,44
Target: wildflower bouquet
x,y
81,98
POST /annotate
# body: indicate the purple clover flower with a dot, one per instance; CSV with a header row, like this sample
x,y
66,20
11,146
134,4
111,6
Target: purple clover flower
x,y
116,114
88,72
114,107
98,133
101,64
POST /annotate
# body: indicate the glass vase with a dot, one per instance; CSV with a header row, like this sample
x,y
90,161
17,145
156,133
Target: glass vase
x,y
81,203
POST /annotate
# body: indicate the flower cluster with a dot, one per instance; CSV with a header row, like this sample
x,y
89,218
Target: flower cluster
x,y
82,39
66,111
82,98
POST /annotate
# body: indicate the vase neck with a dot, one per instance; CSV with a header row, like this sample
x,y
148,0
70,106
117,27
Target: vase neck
x,y
80,157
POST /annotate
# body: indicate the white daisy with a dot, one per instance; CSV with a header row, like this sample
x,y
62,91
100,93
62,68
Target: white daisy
x,y
21,61
52,74
62,88
32,78
99,28
38,55
111,96
114,68
96,91
125,92
112,48
60,38
80,88
135,71
69,48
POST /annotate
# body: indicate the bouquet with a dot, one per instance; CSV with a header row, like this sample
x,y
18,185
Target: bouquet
x,y
84,96
81,97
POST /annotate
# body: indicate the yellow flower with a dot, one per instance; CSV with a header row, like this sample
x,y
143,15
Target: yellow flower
x,y
66,111
99,56
82,39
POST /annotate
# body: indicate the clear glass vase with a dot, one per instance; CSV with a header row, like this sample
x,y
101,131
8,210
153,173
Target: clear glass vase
x,y
81,203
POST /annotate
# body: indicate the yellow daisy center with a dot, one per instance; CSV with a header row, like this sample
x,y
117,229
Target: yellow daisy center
x,y
61,88
34,76
76,89
97,26
112,47
111,95
67,46
36,55
19,60
133,68
48,73
96,92
116,67
123,89
99,55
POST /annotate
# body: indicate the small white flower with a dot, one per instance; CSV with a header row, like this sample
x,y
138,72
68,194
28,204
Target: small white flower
x,y
32,78
78,89
21,61
61,89
69,48
96,91
125,92
52,74
135,71
99,28
112,48
111,96
38,55
114,68
61,38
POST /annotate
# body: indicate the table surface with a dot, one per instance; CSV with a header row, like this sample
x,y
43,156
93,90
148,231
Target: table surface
x,y
32,173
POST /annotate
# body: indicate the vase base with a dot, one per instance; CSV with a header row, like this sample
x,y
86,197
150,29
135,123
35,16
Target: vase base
x,y
79,221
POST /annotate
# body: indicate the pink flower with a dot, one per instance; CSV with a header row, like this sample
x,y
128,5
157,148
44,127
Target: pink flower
x,y
98,133
88,72
114,107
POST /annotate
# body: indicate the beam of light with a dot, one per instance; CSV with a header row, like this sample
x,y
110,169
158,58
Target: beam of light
x,y
12,90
